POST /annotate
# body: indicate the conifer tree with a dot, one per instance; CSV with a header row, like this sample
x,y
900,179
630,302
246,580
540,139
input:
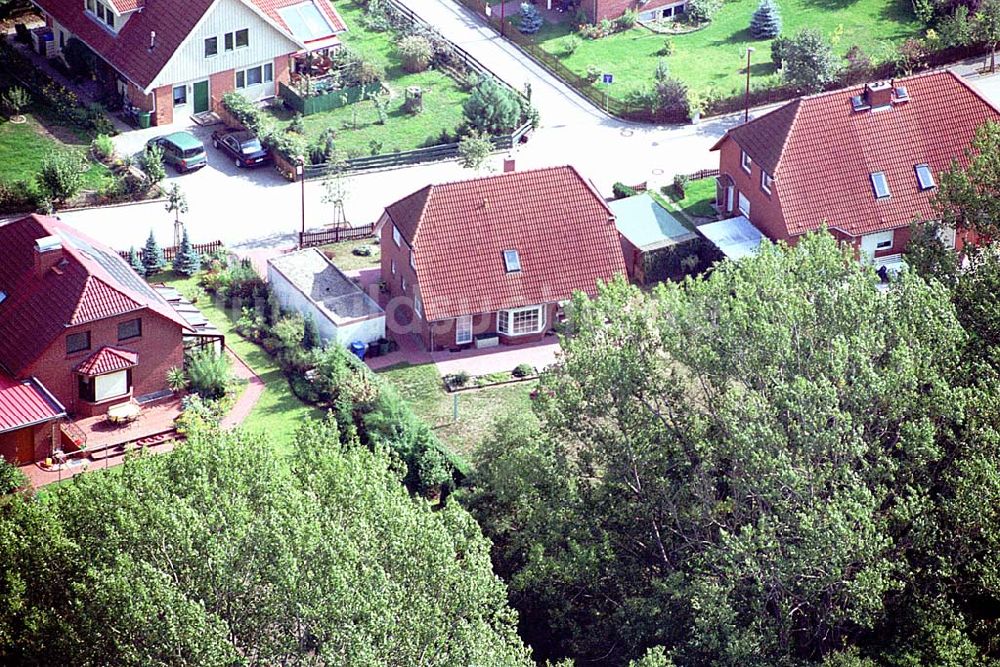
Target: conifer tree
x,y
152,256
135,262
531,20
766,21
187,261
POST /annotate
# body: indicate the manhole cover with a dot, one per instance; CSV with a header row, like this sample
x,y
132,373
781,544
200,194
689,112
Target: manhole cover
x,y
626,132
657,172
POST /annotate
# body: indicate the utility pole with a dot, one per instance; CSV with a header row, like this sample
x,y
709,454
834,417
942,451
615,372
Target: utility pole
x,y
503,18
746,98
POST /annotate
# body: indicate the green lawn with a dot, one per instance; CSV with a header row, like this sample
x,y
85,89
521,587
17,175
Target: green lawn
x,y
342,254
697,202
23,149
278,412
421,386
358,132
713,60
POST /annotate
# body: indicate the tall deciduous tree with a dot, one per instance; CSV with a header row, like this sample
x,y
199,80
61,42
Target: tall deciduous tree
x,y
808,62
968,197
221,553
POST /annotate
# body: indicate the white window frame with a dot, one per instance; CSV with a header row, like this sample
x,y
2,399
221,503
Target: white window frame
x,y
512,261
110,385
397,238
418,307
463,330
211,55
883,245
173,94
236,36
392,266
746,162
765,181
875,177
930,184
505,321
744,205
403,283
413,259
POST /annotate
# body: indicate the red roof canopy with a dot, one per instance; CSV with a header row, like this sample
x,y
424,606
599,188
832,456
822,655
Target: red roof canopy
x,y
107,360
561,228
25,403
822,153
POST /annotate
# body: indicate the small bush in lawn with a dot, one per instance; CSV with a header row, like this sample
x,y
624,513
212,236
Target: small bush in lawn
x,y
208,373
668,48
60,177
103,147
459,379
621,190
297,126
672,98
415,52
362,251
593,73
627,20
17,197
531,19
680,184
570,44
523,370
15,100
11,479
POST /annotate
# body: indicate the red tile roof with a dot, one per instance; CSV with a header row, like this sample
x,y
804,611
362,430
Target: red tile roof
x,y
562,229
125,6
92,282
107,360
25,403
821,153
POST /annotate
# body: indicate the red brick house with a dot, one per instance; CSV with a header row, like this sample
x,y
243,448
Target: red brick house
x,y
649,10
172,57
489,260
77,325
862,161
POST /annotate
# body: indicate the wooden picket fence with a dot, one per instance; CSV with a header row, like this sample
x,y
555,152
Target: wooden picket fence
x,y
170,252
335,235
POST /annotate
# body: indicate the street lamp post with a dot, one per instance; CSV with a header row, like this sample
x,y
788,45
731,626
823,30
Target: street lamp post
x,y
503,18
746,98
300,173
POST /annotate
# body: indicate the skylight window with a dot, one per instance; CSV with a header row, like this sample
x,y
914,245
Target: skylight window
x,y
3,296
880,185
925,177
305,21
512,261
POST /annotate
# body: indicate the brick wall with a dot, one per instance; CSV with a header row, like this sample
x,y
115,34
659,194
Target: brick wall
x,y
282,71
221,83
606,9
160,347
164,114
765,209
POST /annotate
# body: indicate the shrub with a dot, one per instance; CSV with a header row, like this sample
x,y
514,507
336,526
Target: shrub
x,y
766,21
362,251
474,150
859,65
680,184
152,256
531,20
11,478
102,147
415,52
778,47
570,44
60,177
17,197
151,164
702,11
296,125
593,73
208,373
492,108
588,31
135,262
176,379
80,59
15,100
627,20
672,99
310,333
432,468
187,261
808,61
605,27
910,56
621,190
523,370
668,48
323,149
459,379
289,331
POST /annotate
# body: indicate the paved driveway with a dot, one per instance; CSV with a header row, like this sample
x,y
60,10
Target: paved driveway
x,y
258,209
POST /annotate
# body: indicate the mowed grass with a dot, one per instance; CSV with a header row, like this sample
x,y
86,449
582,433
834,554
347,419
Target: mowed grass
x,y
713,60
24,148
342,255
696,205
358,130
278,412
477,410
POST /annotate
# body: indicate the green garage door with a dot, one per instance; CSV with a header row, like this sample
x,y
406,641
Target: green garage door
x,y
201,96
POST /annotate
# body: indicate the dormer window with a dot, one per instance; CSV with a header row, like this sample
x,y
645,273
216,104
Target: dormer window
x,y
745,161
512,261
925,177
102,13
880,185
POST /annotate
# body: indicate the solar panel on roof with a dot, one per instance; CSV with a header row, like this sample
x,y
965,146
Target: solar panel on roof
x,y
117,267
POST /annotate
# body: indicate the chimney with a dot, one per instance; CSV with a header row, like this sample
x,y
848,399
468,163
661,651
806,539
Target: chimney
x,y
878,95
508,164
152,40
48,252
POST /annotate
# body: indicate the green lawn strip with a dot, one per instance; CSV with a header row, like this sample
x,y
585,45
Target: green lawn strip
x,y
344,258
358,132
278,411
696,203
24,148
714,59
421,386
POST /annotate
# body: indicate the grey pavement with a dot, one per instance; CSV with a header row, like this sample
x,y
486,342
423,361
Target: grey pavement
x,y
258,209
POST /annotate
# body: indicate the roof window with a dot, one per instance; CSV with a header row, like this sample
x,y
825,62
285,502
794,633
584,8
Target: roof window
x,y
925,177
880,185
3,296
512,261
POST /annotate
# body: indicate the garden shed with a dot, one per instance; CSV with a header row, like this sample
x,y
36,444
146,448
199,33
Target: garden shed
x,y
309,283
654,242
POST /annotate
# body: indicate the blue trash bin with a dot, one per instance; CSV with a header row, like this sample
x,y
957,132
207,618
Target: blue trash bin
x,y
358,349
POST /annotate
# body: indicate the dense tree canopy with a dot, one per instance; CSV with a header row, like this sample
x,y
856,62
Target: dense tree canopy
x,y
222,554
781,464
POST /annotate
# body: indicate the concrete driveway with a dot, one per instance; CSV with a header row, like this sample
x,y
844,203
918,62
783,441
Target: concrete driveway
x,y
258,209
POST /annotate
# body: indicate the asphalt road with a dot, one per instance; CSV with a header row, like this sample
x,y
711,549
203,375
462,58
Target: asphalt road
x,y
258,209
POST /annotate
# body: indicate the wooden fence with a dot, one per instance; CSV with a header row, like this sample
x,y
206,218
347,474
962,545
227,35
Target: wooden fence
x,y
703,173
335,235
333,99
170,252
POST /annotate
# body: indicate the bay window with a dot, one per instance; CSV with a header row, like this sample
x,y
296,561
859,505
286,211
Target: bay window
x,y
521,321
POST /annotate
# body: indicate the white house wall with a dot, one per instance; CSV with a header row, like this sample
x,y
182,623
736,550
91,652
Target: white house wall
x,y
189,62
366,331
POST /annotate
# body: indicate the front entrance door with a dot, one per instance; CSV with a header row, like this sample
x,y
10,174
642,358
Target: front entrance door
x,y
200,96
18,447
463,330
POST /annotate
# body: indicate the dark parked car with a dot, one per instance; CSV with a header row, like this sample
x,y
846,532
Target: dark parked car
x,y
242,147
181,150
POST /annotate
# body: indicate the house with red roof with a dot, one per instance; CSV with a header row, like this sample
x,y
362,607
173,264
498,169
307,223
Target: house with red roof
x,y
490,260
648,10
179,57
80,332
863,162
